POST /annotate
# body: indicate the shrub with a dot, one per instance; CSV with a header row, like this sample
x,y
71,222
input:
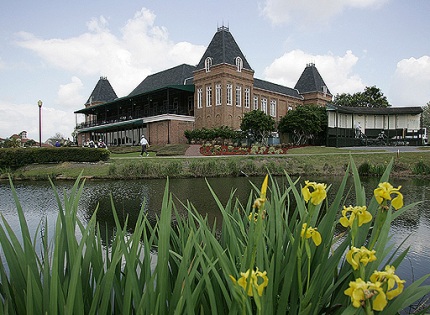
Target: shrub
x,y
421,168
364,169
15,158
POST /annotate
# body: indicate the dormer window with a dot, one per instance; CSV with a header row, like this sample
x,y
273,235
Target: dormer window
x,y
208,64
239,64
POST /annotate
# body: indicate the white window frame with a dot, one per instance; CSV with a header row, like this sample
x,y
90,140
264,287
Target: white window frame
x,y
264,105
208,96
238,95
199,97
239,64
273,108
218,94
229,94
255,104
247,95
208,64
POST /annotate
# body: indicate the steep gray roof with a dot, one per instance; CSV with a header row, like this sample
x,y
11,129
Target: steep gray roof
x,y
103,92
269,86
223,49
179,75
311,81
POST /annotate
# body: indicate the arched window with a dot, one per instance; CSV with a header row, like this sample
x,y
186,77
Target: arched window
x,y
208,64
239,64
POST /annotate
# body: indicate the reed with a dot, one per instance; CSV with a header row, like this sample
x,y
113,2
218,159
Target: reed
x,y
277,252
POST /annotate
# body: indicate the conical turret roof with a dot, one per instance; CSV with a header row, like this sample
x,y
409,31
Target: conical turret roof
x,y
223,49
102,93
311,81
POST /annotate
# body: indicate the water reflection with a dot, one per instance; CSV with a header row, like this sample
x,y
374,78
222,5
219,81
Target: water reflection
x,y
130,197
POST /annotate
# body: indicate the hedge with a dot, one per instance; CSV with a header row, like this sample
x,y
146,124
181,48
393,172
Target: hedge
x,y
13,158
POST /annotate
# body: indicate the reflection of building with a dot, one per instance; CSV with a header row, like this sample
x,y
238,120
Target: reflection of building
x,y
217,92
399,125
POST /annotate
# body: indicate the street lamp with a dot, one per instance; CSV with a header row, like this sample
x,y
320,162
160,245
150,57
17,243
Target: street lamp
x,y
39,103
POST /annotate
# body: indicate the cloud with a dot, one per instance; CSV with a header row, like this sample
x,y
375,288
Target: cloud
x,y
141,49
411,81
337,71
69,95
25,117
306,11
126,57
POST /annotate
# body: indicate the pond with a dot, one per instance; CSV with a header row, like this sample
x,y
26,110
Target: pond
x,y
38,202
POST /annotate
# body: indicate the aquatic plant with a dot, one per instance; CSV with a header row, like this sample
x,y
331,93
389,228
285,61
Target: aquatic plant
x,y
276,252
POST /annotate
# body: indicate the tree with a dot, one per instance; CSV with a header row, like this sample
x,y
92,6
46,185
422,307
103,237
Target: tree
x,y
57,137
30,143
371,97
304,123
12,143
257,125
426,116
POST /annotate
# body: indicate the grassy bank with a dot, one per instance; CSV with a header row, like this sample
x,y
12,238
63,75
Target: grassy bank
x,y
298,161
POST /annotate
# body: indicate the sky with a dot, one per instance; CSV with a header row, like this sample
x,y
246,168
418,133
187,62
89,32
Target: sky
x,y
56,51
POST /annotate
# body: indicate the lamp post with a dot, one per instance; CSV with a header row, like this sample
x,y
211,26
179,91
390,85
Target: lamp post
x,y
39,103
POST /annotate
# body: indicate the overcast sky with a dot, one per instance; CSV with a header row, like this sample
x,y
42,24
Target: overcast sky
x,y
56,51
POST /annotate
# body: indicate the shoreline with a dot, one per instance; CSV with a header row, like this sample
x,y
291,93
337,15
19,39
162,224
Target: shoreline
x,y
308,161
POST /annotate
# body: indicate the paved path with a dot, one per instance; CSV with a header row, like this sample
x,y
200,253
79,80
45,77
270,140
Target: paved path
x,y
193,150
389,148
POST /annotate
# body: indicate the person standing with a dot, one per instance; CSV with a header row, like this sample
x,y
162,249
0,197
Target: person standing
x,y
144,143
358,132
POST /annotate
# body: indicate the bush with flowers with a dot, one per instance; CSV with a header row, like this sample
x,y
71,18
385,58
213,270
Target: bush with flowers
x,y
277,252
218,149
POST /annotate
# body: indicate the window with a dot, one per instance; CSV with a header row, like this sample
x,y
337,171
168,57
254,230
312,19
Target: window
x,y
247,94
208,96
218,94
229,94
264,105
190,104
273,108
199,97
238,95
239,64
208,64
255,106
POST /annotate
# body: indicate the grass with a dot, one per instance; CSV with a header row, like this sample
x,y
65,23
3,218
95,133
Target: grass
x,y
299,161
154,150
264,259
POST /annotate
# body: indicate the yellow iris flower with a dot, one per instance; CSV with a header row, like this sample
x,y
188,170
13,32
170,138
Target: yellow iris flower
x,y
384,192
318,193
357,256
255,282
308,232
255,217
394,283
356,292
360,291
357,212
259,202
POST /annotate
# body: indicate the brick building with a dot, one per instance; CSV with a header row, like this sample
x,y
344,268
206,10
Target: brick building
x,y
216,92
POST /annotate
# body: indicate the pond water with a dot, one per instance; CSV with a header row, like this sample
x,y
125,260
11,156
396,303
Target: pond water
x,y
38,202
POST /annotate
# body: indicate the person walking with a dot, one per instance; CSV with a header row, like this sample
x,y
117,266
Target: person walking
x,y
145,144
